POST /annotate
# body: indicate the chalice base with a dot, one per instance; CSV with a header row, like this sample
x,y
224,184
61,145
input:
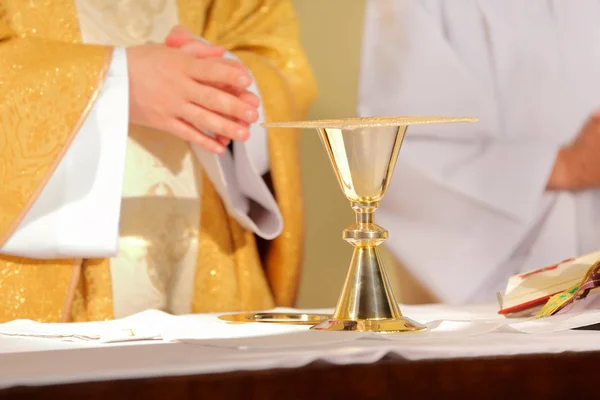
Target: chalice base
x,y
388,325
367,302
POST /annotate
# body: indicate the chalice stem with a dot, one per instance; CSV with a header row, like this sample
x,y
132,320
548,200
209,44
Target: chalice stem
x,y
367,292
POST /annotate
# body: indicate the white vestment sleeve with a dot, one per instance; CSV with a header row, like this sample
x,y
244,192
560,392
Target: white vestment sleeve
x,y
463,197
409,66
77,213
238,179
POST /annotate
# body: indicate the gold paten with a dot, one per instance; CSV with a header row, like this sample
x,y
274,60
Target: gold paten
x,y
363,153
277,317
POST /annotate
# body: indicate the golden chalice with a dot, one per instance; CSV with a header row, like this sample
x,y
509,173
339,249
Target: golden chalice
x,y
363,153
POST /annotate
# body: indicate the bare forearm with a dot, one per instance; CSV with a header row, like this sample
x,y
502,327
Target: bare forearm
x,y
558,178
574,171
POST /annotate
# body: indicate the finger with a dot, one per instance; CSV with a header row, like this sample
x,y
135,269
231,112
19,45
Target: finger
x,y
243,95
198,49
220,60
232,63
181,37
223,140
178,36
227,61
212,122
250,98
211,72
221,102
188,132
246,96
241,123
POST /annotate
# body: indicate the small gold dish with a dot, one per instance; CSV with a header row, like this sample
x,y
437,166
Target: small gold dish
x,y
277,318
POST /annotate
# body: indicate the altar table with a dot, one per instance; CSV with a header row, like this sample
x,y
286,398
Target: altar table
x,y
570,375
472,353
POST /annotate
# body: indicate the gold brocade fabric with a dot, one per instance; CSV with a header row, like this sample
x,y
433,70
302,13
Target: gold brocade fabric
x,y
46,88
93,297
33,289
228,274
264,35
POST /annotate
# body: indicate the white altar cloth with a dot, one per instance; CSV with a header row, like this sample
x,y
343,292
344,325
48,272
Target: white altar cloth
x,y
168,345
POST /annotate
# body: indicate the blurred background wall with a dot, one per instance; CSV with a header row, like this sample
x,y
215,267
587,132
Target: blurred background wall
x,y
331,32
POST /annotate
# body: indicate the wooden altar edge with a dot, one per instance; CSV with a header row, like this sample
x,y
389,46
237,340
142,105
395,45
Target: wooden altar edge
x,y
526,376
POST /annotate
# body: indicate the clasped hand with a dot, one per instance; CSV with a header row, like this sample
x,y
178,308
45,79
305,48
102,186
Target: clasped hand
x,y
185,87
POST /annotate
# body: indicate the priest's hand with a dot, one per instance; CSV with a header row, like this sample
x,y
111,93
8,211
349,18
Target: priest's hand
x,y
181,92
577,165
182,38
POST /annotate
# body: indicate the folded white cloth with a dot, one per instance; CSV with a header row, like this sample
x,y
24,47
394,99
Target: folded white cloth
x,y
143,326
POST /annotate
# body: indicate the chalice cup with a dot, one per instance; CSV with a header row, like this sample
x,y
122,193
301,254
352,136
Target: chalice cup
x,y
363,153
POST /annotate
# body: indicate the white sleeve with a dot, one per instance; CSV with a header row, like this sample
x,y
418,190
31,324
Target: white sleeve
x,y
238,179
410,67
77,212
472,192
